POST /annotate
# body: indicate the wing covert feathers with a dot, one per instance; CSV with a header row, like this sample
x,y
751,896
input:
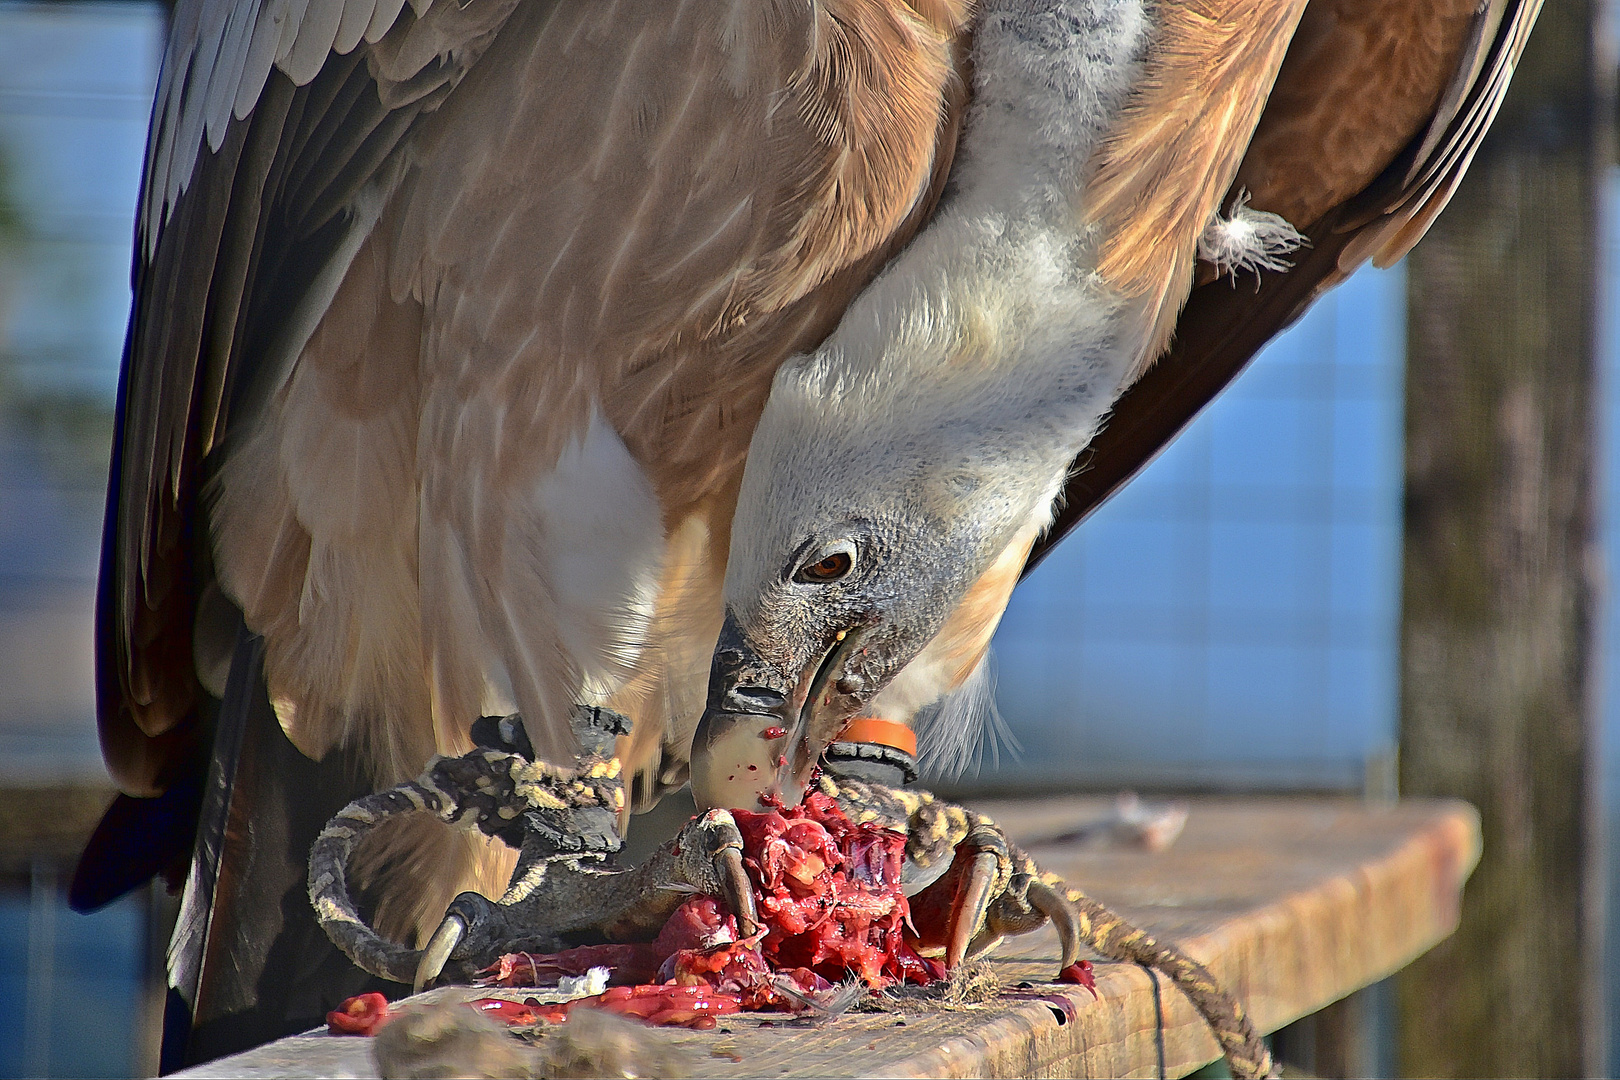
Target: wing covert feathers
x,y
274,117
1376,113
219,59
1360,81
1177,146
1440,164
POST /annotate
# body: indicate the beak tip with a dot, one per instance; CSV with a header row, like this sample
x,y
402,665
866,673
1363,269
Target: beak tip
x,y
736,760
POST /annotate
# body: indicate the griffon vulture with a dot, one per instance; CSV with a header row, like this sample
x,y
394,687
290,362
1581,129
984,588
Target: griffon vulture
x,y
493,356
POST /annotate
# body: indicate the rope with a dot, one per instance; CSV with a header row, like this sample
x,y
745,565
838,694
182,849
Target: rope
x,y
1110,935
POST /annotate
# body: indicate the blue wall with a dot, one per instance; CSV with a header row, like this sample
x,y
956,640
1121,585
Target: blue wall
x,y
1231,616
75,89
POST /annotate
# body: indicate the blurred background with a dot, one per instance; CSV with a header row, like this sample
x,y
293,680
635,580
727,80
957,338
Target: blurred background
x,y
1232,621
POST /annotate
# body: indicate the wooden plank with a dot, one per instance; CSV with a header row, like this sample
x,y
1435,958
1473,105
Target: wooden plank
x,y
1293,902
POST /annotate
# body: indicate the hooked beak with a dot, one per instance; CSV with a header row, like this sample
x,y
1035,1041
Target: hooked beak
x,y
760,737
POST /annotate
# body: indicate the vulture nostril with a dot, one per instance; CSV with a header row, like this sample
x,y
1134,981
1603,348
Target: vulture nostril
x,y
730,657
759,697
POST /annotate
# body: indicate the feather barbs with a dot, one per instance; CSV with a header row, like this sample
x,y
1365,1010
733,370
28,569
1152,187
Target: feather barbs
x,y
1161,173
1246,240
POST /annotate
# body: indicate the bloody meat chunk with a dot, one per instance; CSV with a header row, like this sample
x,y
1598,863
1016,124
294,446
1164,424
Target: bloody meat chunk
x,y
830,906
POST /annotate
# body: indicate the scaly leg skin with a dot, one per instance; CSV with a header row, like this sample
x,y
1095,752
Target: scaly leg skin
x,y
564,824
970,887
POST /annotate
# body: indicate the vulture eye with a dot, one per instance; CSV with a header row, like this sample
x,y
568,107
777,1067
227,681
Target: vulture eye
x,y
830,567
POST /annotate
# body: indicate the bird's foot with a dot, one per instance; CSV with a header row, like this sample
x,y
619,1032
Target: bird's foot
x,y
558,900
564,823
969,887
564,890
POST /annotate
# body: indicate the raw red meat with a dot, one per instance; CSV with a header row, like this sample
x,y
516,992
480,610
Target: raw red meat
x,y
1080,974
829,899
362,1014
828,891
675,1006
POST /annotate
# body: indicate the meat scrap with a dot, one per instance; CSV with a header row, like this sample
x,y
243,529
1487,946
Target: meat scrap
x,y
830,906
669,1005
828,892
362,1014
1079,973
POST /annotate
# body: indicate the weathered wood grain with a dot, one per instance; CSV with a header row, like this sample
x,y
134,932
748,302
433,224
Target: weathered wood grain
x,y
1294,902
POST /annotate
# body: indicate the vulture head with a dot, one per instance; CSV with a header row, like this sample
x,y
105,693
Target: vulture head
x,y
900,472
894,486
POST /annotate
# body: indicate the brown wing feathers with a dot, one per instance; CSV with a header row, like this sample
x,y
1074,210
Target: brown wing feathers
x,y
1375,114
238,249
1175,149
1444,157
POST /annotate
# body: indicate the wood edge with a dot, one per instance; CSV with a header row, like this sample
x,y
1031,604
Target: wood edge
x,y
1106,1034
1442,851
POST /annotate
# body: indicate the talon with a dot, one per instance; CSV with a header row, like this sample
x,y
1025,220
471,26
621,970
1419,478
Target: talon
x,y
438,950
1055,906
916,876
739,891
975,901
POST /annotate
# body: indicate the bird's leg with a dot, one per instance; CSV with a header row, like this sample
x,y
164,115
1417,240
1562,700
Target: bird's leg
x,y
564,824
500,791
970,887
559,899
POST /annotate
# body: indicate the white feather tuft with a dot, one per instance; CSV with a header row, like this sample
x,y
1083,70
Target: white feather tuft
x,y
1248,240
955,733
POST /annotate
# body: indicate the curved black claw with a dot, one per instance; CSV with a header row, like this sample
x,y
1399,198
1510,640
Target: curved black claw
x,y
972,904
438,951
1064,918
715,838
706,857
474,932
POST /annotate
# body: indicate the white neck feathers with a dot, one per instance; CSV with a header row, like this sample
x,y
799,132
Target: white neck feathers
x,y
990,343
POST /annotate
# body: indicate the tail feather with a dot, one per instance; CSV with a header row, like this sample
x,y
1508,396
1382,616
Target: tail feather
x,y
248,961
137,840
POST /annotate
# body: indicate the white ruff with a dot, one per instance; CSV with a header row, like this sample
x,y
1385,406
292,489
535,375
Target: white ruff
x,y
984,357
602,549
